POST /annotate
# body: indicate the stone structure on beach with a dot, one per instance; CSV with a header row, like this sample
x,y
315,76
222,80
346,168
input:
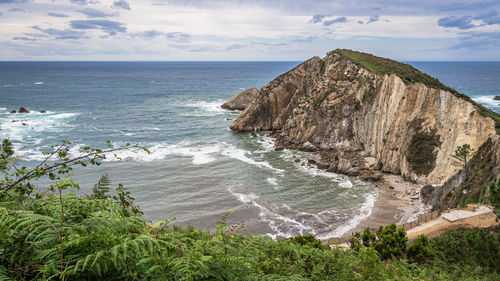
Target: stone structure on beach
x,y
363,114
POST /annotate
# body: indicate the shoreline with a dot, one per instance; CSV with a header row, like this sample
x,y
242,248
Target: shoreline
x,y
397,201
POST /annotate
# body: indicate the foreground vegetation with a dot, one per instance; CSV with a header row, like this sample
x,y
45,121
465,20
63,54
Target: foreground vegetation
x,y
56,234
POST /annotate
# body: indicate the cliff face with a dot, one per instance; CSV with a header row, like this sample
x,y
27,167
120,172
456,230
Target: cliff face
x,y
336,105
241,100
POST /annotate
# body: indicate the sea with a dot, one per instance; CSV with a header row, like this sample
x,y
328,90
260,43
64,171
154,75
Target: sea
x,y
197,171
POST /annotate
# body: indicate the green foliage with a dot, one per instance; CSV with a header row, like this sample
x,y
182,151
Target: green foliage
x,y
410,75
495,196
388,242
467,247
462,153
421,154
420,251
308,240
60,235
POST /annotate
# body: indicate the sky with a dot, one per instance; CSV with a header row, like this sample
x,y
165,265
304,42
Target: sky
x,y
248,30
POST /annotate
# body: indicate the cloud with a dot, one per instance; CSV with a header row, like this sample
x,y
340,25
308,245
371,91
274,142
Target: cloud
x,y
24,38
93,13
337,20
372,19
110,27
57,15
473,40
83,2
458,22
173,36
12,1
318,18
16,10
490,18
62,34
121,4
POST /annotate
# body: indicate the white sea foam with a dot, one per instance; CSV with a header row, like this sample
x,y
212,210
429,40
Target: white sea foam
x,y
273,182
346,184
200,154
487,100
39,83
3,108
282,226
212,106
240,154
364,212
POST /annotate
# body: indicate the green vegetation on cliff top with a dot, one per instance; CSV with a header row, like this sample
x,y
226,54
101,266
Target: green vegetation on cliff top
x,y
410,75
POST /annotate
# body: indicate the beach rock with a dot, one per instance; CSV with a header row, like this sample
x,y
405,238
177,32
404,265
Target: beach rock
x,y
297,160
337,105
24,124
241,100
322,166
496,98
307,146
43,111
311,161
13,111
372,177
23,110
278,149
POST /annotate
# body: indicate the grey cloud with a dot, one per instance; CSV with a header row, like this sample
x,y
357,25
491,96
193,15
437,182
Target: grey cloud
x,y
318,18
12,1
57,15
304,39
360,22
62,34
457,22
24,38
93,13
121,4
1,13
337,20
110,27
473,40
372,19
173,36
489,18
16,10
83,2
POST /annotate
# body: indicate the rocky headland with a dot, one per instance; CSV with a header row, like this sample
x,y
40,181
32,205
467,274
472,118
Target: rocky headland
x,y
369,117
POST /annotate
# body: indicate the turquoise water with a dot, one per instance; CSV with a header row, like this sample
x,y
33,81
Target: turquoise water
x,y
198,169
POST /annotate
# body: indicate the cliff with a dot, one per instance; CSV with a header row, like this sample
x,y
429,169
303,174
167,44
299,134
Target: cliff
x,y
368,113
241,100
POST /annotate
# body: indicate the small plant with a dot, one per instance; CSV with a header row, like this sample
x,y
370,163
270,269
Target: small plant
x,y
462,154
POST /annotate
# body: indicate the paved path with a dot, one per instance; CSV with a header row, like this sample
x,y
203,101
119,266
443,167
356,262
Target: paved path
x,y
483,217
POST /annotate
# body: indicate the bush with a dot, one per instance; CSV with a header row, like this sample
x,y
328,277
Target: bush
x,y
420,251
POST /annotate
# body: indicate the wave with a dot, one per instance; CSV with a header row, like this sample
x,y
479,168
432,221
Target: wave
x,y
487,100
39,83
364,212
240,154
282,226
212,106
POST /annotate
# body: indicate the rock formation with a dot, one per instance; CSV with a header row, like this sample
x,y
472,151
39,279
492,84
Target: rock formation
x,y
23,110
361,112
496,98
242,100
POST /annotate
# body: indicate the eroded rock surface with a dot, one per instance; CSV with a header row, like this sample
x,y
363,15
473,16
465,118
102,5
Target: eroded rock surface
x,y
242,100
362,121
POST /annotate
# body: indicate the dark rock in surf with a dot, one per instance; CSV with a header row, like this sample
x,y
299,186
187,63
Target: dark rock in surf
x,y
23,110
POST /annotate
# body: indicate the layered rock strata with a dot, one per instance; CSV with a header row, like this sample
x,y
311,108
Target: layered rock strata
x,y
242,100
362,121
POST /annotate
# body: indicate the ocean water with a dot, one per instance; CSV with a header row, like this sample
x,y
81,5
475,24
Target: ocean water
x,y
198,170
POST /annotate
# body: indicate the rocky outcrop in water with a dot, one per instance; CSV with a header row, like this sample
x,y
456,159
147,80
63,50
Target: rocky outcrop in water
x,y
242,100
23,110
360,117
